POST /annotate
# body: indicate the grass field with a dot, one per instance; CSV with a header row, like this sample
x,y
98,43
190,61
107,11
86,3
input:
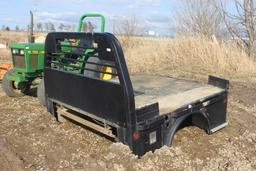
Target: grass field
x,y
191,55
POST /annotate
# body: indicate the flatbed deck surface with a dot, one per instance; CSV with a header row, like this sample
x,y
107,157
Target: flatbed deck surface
x,y
170,93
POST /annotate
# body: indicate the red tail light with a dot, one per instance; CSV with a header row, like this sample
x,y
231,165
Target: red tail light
x,y
136,135
225,99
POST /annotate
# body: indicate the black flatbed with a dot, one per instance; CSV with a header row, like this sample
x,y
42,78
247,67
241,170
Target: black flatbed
x,y
142,111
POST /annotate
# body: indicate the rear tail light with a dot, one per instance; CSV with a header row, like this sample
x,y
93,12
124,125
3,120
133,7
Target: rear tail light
x,y
225,99
136,135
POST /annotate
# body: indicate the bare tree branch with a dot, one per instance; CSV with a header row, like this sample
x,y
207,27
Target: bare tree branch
x,y
241,24
199,17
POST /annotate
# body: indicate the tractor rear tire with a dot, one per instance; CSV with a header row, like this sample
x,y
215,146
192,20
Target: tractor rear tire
x,y
94,67
10,89
41,93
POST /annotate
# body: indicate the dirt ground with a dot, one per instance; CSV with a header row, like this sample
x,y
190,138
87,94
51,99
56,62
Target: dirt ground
x,y
31,140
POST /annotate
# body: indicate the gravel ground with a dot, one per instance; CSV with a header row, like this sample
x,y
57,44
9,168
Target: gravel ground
x,y
31,140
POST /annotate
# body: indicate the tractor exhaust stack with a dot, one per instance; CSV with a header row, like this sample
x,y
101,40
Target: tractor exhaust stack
x,y
31,37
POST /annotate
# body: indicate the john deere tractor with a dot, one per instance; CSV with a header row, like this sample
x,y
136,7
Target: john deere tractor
x,y
28,63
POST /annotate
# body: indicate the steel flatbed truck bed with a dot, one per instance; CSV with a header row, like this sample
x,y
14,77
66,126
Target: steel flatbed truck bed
x,y
141,111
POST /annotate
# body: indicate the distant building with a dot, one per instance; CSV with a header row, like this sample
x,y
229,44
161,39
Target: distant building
x,y
152,33
2,46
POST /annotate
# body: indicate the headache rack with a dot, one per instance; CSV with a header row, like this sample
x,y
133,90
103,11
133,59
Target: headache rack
x,y
74,80
74,58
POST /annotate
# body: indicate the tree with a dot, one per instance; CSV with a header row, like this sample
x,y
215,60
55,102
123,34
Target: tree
x,y
17,28
49,26
68,27
73,27
39,26
88,27
241,23
126,27
46,27
85,27
61,27
91,27
199,17
7,28
129,26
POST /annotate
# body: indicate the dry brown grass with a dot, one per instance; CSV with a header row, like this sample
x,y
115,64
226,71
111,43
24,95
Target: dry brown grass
x,y
195,55
8,38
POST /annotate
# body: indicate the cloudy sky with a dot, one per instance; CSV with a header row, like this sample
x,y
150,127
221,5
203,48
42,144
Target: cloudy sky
x,y
155,15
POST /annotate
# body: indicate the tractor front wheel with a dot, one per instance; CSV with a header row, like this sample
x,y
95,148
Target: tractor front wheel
x,y
10,88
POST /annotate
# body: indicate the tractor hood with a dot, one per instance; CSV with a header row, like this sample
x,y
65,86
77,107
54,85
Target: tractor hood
x,y
28,46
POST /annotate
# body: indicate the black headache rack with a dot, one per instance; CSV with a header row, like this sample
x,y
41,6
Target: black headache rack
x,y
75,88
68,82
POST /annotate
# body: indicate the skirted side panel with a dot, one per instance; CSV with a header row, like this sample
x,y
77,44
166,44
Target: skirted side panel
x,y
103,99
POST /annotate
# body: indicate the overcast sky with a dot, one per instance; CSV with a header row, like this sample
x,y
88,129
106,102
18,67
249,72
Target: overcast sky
x,y
154,14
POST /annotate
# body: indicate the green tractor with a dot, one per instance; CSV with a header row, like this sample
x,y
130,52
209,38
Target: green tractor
x,y
28,63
